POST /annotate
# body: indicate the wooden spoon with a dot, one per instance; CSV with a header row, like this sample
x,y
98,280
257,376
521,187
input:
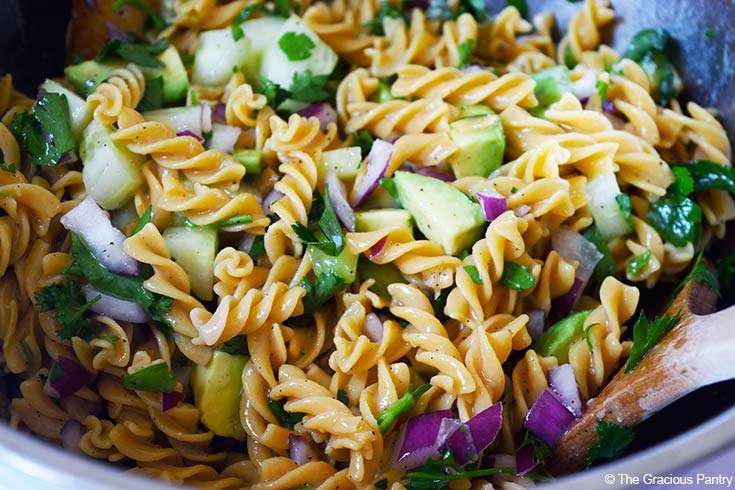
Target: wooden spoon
x,y
697,352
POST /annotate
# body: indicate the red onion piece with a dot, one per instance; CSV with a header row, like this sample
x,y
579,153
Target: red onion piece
x,y
492,205
71,435
223,138
246,242
563,306
338,197
72,378
564,385
206,118
434,173
548,419
455,436
106,242
270,198
525,461
536,320
39,95
322,111
522,210
376,249
376,164
170,400
220,113
373,327
485,426
609,107
68,157
188,132
417,442
115,308
91,5
298,449
571,245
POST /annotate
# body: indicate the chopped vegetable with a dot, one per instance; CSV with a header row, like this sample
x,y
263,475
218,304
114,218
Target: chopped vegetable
x,y
45,134
646,335
308,87
70,304
109,338
152,96
258,247
726,271
517,277
625,206
677,218
285,419
232,221
404,404
66,377
364,140
141,54
647,49
708,175
342,396
333,241
540,451
465,50
372,173
548,419
613,439
684,184
602,86
436,474
115,308
144,220
474,273
236,345
155,377
327,285
245,14
564,385
297,47
638,263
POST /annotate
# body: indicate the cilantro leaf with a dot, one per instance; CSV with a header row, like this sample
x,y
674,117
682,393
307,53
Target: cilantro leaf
x,y
474,273
708,175
700,273
541,450
646,335
465,50
677,218
404,404
645,41
385,9
569,60
258,247
520,5
155,377
285,419
10,168
274,94
153,95
364,140
606,266
158,23
45,134
70,304
517,277
342,396
613,439
435,474
329,224
308,87
141,54
327,285
638,263
439,303
144,220
625,206
334,241
236,345
296,47
684,184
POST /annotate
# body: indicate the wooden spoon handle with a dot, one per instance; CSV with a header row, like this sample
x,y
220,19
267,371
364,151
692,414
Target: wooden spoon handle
x,y
698,351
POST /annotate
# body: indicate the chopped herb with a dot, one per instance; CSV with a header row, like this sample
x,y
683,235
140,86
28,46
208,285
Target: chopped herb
x,y
381,484
646,41
708,175
638,263
436,474
586,335
342,396
517,277
701,274
285,419
308,87
327,285
647,49
153,95
70,304
513,190
364,140
45,134
56,373
334,241
109,338
296,47
473,273
143,220
709,33
541,450
602,86
606,266
258,247
404,404
158,23
10,168
613,439
625,206
684,184
236,345
464,254
465,50
385,9
141,54
569,60
390,185
274,94
677,218
520,5
241,219
155,377
646,335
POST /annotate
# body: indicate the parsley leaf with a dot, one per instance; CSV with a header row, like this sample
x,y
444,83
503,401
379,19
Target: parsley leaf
x,y
334,240
342,396
364,140
141,54
638,263
158,23
404,404
684,184
647,49
625,206
258,247
274,94
436,474
327,285
285,419
517,277
700,273
645,41
541,450
646,335
45,134
677,218
155,377
153,95
70,304
465,50
613,439
10,168
296,47
308,87
474,273
708,175
520,5
606,266
144,220
385,9
236,345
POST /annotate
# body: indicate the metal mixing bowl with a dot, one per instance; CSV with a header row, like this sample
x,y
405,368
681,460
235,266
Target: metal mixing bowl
x,y
701,424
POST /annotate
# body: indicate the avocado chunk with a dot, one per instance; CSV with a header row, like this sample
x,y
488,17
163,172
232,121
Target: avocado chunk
x,y
551,84
175,78
217,389
481,144
477,110
111,172
384,275
378,219
194,249
444,214
344,264
252,160
344,161
86,76
557,339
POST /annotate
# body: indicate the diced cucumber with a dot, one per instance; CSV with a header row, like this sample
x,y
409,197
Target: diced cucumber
x,y
609,218
194,249
276,67
111,172
218,55
78,108
384,275
178,118
252,160
260,32
344,264
378,219
175,78
345,162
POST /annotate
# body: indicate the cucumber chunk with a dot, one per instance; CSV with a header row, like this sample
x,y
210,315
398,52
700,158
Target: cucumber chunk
x,y
345,162
609,218
194,249
218,55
